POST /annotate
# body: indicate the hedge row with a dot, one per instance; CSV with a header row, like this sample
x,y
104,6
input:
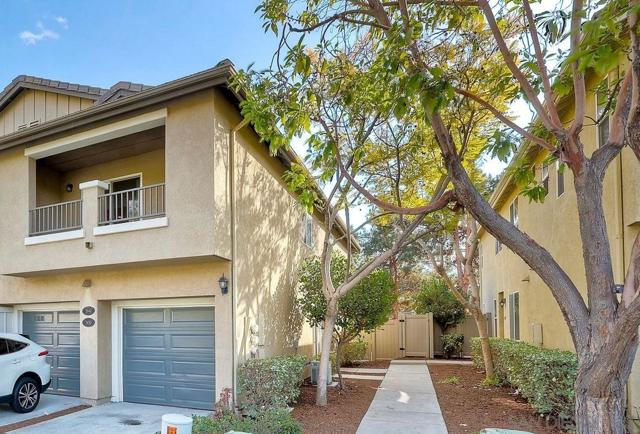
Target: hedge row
x,y
544,377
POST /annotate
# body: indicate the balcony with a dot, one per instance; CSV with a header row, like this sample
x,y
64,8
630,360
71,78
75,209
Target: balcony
x,y
51,219
131,205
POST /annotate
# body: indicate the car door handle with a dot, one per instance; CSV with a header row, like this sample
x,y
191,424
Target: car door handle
x,y
15,362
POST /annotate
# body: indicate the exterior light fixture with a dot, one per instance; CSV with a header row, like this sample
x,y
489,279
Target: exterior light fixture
x,y
224,284
503,302
69,188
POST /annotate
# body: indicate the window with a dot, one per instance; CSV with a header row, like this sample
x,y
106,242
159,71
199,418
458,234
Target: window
x,y
308,230
15,345
560,173
545,176
514,316
3,347
602,97
513,212
498,246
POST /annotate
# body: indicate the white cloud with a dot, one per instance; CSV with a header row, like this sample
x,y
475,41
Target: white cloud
x,y
42,33
64,23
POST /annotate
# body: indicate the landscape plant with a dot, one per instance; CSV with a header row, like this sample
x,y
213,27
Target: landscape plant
x,y
391,46
435,297
364,308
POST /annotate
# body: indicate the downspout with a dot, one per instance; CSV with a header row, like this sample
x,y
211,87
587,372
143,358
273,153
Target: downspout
x,y
232,228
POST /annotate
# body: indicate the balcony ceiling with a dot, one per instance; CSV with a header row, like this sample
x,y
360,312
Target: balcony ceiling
x,y
115,149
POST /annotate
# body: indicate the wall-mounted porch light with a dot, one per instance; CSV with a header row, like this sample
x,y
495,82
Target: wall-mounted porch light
x,y
69,188
224,284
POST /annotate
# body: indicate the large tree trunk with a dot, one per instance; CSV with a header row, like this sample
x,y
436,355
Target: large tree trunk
x,y
327,338
487,357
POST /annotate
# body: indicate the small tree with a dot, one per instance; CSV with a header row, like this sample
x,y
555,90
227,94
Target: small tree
x,y
367,306
435,297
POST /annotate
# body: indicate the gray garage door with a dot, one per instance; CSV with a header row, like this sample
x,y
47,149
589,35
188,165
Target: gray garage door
x,y
168,356
58,332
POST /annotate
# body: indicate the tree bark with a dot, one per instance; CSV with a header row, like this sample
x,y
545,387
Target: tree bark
x,y
601,410
487,357
327,338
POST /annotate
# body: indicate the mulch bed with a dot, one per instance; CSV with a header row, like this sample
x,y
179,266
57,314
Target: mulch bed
x,y
468,406
14,426
344,412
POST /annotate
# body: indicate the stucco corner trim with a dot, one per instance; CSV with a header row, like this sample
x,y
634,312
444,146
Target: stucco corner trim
x,y
95,183
52,238
141,225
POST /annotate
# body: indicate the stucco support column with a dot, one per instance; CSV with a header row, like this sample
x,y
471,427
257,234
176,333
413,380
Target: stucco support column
x,y
90,191
95,347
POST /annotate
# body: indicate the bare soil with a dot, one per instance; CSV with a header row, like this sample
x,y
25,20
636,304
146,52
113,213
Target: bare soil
x,y
468,406
344,412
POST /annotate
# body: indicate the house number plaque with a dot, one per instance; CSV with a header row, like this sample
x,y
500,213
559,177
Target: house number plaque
x,y
88,322
88,310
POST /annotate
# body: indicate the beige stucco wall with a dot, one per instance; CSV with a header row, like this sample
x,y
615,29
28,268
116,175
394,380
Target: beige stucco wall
x,y
270,246
129,283
198,217
37,105
183,260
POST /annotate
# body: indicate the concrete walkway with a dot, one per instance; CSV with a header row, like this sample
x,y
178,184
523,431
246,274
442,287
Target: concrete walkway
x,y
405,402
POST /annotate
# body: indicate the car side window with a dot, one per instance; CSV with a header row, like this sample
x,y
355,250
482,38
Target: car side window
x,y
3,347
15,345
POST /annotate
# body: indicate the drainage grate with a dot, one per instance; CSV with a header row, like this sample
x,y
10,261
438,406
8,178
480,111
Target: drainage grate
x,y
131,422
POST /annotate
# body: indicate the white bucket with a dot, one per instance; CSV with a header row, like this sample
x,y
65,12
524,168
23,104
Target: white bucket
x,y
176,424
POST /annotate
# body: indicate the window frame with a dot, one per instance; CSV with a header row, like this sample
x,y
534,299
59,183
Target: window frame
x,y
513,212
514,316
498,246
559,179
308,237
544,176
606,120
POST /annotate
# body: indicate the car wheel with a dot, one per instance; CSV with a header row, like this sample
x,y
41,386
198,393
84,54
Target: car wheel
x,y
26,395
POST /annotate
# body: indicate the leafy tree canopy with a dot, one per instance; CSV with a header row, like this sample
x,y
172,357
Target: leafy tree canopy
x,y
435,297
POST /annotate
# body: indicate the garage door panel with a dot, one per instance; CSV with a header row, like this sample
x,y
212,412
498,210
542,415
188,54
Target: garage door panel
x,y
172,362
43,339
193,368
65,339
191,342
189,315
59,333
146,341
146,367
144,316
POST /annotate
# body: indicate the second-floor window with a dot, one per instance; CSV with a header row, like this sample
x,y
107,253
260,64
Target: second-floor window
x,y
545,176
602,99
560,178
308,230
513,212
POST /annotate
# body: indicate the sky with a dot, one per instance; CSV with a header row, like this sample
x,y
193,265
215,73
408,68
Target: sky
x,y
99,43
102,42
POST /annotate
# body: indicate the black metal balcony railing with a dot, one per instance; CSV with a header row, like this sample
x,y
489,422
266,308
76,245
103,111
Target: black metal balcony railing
x,y
131,205
59,217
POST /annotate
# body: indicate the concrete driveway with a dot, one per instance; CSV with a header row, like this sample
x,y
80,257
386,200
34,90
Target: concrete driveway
x,y
48,404
120,417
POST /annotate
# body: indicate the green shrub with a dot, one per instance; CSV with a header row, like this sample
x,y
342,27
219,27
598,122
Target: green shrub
x,y
452,344
543,376
353,351
278,421
266,384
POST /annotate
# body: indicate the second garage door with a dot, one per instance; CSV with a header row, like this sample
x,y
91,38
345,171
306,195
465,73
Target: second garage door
x,y
58,332
168,356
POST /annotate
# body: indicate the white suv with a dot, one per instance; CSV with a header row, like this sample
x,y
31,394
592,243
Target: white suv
x,y
25,372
